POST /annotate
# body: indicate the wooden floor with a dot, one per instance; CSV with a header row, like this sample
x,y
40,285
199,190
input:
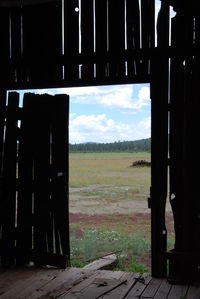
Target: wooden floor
x,y
78,283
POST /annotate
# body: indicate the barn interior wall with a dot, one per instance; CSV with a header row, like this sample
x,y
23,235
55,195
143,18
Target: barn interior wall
x,y
37,59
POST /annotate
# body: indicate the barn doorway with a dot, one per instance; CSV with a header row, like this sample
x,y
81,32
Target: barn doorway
x,y
108,195
89,199
109,131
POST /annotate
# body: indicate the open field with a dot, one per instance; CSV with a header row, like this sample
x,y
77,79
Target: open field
x,y
108,209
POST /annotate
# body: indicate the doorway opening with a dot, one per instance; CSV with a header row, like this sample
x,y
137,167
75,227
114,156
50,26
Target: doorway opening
x,y
109,131
109,182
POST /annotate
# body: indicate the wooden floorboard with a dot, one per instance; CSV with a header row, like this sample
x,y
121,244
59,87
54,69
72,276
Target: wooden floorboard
x,y
74,283
178,291
163,290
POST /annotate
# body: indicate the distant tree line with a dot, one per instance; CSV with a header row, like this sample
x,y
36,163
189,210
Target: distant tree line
x,y
142,145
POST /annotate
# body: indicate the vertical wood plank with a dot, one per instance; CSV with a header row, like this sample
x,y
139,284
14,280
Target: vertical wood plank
x,y
71,38
101,36
16,54
42,224
42,40
147,23
3,95
87,38
183,187
191,206
147,29
176,131
159,154
133,32
5,45
116,37
60,171
9,181
26,176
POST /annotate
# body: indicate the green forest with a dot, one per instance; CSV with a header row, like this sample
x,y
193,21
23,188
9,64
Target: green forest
x,y
142,145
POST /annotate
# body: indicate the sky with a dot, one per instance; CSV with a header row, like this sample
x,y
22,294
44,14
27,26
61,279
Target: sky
x,y
108,113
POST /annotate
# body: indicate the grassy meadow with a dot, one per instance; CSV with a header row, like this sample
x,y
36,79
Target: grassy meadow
x,y
108,209
113,169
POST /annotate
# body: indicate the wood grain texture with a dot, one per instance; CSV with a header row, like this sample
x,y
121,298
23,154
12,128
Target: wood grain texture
x,y
40,283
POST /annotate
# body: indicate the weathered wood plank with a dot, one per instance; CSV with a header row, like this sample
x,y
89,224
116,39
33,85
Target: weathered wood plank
x,y
13,277
78,283
147,23
42,35
193,292
101,36
123,290
147,31
16,43
26,177
3,95
21,283
116,35
177,142
2,120
33,284
101,286
5,45
63,283
9,181
139,287
133,32
152,288
87,37
190,202
176,131
41,158
60,177
78,289
71,38
104,263
81,289
163,290
177,291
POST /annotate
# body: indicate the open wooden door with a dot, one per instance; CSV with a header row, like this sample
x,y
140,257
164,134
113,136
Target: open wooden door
x,y
34,189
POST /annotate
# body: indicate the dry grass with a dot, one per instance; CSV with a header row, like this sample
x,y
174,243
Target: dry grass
x,y
107,194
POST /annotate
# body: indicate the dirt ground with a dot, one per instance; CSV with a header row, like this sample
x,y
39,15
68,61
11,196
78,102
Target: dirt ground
x,y
96,204
129,222
94,212
107,194
90,210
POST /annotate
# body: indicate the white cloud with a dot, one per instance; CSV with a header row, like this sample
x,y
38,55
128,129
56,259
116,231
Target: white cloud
x,y
120,97
143,98
113,96
144,93
145,124
100,128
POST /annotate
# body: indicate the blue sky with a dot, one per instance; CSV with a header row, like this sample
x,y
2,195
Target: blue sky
x,y
109,113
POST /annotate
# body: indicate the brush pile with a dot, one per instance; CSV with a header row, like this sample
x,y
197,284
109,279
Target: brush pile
x,y
141,163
